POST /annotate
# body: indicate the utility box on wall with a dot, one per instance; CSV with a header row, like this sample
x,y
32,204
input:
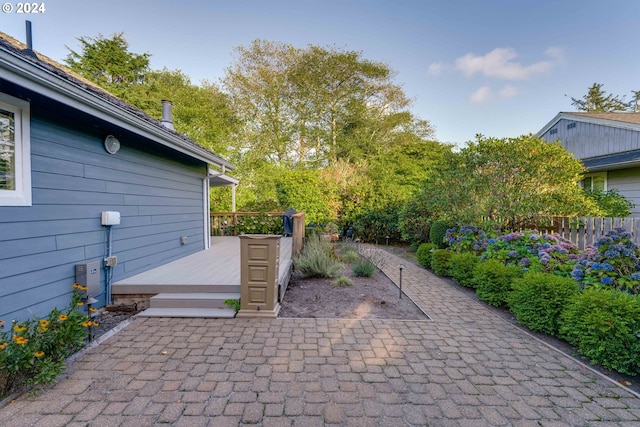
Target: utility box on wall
x,y
88,274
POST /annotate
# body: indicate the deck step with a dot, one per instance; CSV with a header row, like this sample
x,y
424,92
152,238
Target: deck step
x,y
189,312
192,300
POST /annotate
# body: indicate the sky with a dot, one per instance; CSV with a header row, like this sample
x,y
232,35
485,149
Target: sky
x,y
501,68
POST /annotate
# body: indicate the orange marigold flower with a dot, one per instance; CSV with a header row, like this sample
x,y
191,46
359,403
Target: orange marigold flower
x,y
83,288
19,328
75,286
43,322
39,353
93,310
63,317
87,323
43,329
95,323
21,340
80,304
3,345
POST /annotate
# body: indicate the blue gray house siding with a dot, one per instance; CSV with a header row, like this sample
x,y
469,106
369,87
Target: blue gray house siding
x,y
158,193
614,149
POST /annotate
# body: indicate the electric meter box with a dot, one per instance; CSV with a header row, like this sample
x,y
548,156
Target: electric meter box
x,y
110,218
88,274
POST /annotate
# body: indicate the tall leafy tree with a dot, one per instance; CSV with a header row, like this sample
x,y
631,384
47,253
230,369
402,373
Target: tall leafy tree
x,y
598,100
108,62
510,181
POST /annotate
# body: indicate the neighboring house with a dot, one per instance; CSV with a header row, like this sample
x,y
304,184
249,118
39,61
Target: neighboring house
x,y
609,146
60,168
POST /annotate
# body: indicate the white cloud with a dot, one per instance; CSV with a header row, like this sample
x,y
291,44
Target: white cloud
x,y
436,68
499,63
509,91
481,95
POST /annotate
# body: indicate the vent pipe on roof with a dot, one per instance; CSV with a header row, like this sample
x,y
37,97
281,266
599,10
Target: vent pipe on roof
x,y
167,116
29,50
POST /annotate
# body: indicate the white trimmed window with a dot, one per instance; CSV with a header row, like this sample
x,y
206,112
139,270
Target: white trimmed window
x,y
15,152
595,181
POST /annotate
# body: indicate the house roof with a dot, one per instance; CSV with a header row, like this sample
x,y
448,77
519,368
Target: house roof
x,y
51,79
623,120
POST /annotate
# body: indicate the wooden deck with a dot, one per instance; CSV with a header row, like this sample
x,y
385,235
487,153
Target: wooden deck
x,y
216,269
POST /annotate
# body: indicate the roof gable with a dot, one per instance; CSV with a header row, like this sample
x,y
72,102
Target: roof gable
x,y
622,120
46,76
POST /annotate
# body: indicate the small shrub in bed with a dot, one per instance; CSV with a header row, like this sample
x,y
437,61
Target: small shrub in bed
x,y
604,324
462,266
318,260
423,254
364,268
437,232
537,300
441,262
341,282
493,281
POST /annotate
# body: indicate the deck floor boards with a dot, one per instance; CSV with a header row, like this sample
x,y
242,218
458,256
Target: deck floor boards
x,y
218,265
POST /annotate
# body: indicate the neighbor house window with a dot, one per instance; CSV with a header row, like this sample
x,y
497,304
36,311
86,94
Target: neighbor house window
x,y
595,182
15,152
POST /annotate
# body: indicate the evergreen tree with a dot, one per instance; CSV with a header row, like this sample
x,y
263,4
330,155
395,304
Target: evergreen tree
x,y
597,100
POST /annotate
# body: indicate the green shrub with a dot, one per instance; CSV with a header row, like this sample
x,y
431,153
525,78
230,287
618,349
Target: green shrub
x,y
233,303
257,224
493,281
342,282
32,352
437,232
364,268
537,300
462,266
347,248
374,224
441,262
603,324
423,254
318,260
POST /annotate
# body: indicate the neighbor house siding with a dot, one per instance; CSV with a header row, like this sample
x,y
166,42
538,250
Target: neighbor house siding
x,y
627,182
73,180
590,140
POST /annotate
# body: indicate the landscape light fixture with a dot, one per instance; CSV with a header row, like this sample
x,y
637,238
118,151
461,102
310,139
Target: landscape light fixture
x,y
400,267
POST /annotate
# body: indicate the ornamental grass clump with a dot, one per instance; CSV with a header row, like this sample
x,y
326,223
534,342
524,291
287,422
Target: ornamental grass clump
x,y
364,268
318,259
32,352
537,300
613,262
342,282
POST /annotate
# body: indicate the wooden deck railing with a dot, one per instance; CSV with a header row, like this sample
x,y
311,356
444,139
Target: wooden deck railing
x,y
236,223
230,223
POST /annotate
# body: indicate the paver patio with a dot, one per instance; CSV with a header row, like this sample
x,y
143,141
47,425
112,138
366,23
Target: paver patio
x,y
466,367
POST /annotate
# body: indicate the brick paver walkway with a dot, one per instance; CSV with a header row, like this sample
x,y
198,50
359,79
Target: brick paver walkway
x,y
467,367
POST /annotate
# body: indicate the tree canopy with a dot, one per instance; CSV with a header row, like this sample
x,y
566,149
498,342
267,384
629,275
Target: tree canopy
x,y
598,100
509,181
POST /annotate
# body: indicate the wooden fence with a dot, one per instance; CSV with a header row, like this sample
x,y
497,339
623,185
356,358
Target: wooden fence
x,y
585,231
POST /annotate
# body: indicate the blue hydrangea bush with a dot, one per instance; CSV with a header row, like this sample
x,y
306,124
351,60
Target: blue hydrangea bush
x,y
613,261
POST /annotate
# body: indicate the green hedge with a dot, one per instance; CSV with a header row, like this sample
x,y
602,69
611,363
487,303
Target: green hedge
x,y
603,325
462,267
423,254
537,300
441,262
437,232
493,281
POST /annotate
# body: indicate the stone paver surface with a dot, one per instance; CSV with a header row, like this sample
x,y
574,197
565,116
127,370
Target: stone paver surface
x,y
465,367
